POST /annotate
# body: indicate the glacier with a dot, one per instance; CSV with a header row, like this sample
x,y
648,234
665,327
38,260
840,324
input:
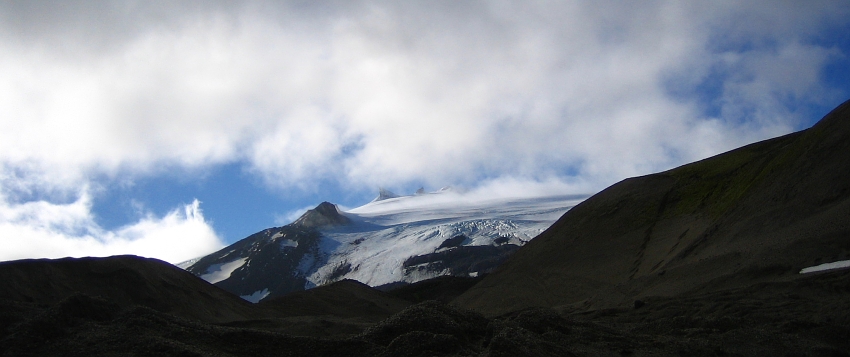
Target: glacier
x,y
385,233
389,241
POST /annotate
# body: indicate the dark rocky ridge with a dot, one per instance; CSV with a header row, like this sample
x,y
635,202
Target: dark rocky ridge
x,y
384,194
271,265
461,260
326,214
272,256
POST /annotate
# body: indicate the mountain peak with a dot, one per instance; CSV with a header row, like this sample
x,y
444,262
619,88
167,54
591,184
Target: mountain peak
x,y
325,214
384,194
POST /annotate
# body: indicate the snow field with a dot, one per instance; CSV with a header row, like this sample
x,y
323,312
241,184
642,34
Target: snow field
x,y
219,272
388,232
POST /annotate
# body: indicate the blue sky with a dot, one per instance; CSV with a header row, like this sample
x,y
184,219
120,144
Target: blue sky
x,y
170,129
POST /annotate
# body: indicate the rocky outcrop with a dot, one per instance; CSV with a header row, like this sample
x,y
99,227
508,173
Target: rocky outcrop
x,y
326,214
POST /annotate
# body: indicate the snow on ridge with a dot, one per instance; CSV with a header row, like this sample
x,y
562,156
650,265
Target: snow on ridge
x,y
387,198
219,272
450,199
288,243
256,296
452,206
827,266
384,194
388,232
188,263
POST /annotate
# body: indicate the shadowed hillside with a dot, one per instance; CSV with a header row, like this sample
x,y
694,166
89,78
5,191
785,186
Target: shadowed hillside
x,y
758,214
123,280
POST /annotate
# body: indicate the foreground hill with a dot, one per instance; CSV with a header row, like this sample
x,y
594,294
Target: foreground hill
x,y
756,215
125,281
131,306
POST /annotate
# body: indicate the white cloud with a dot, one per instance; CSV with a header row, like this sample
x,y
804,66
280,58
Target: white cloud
x,y
377,93
41,229
521,187
369,93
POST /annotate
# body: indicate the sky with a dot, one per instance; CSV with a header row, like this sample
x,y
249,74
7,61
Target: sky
x,y
170,129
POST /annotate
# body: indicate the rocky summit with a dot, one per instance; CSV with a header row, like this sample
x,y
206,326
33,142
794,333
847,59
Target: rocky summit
x,y
325,214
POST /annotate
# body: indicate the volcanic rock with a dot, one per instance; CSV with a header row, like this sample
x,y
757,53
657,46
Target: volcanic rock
x,y
326,214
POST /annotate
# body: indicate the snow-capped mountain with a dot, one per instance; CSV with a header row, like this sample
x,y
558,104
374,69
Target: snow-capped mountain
x,y
391,240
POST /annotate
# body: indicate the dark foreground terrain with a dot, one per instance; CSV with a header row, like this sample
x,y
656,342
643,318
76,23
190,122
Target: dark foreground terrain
x,y
701,260
802,317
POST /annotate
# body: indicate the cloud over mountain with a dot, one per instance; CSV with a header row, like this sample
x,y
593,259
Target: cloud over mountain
x,y
371,93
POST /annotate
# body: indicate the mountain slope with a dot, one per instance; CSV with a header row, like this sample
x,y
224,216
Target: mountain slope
x,y
336,300
123,280
391,240
757,214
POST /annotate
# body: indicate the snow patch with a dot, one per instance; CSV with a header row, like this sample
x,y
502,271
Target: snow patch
x,y
188,263
288,243
307,264
827,266
219,272
256,296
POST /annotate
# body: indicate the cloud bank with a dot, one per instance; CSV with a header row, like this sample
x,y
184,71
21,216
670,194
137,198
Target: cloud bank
x,y
368,93
40,229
